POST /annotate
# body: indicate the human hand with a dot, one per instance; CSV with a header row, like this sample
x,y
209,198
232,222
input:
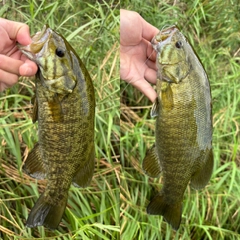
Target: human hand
x,y
14,63
137,58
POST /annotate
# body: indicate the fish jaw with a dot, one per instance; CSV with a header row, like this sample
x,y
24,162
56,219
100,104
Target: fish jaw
x,y
171,47
56,73
163,38
37,47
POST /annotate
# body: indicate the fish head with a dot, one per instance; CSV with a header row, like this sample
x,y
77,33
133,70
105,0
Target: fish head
x,y
172,55
50,52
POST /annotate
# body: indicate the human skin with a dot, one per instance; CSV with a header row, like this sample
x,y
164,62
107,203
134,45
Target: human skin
x,y
13,63
137,57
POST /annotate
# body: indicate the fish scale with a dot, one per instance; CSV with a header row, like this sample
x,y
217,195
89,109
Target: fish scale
x,y
64,107
183,132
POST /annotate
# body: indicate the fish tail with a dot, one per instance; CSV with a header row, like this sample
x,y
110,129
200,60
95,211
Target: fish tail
x,y
46,214
171,212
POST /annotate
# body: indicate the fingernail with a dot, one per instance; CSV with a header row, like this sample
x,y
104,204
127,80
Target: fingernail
x,y
28,72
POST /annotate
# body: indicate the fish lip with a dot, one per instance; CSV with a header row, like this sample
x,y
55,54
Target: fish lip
x,y
34,49
163,37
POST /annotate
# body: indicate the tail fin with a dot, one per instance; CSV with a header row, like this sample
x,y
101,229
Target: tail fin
x,y
172,213
45,214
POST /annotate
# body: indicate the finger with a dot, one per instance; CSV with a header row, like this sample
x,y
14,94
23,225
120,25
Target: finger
x,y
9,64
151,65
17,31
145,88
23,35
129,33
29,68
151,53
8,79
150,75
148,31
3,86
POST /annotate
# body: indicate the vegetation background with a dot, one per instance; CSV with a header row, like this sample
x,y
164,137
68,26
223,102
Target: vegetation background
x,y
92,28
213,29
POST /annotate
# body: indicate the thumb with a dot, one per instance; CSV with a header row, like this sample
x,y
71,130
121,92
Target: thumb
x,y
16,31
23,35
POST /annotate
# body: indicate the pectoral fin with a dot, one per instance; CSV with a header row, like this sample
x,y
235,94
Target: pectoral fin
x,y
202,176
34,166
167,96
155,108
151,163
35,109
84,175
56,109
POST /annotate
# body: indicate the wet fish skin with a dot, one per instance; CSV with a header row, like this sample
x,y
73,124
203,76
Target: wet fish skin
x,y
183,130
65,109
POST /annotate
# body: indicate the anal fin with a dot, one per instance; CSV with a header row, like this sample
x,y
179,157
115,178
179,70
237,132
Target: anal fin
x,y
151,163
34,166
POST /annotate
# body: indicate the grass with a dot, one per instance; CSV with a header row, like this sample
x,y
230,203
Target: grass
x,y
92,213
211,213
92,27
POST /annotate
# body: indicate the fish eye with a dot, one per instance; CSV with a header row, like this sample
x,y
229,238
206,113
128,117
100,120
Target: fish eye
x,y
59,52
178,44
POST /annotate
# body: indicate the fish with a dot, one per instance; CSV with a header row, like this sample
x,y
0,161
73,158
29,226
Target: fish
x,y
182,151
64,107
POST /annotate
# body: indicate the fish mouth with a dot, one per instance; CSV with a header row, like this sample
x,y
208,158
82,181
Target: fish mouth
x,y
33,50
163,37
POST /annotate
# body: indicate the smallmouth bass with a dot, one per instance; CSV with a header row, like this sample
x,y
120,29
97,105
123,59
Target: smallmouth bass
x,y
183,132
64,107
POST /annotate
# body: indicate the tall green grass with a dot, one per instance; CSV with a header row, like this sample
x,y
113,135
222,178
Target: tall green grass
x,y
92,28
212,27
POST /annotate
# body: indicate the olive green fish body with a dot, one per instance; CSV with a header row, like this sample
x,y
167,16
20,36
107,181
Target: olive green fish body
x,y
66,130
64,108
183,125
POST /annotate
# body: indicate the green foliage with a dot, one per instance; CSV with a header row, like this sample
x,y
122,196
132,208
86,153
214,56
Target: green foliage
x,y
212,27
92,29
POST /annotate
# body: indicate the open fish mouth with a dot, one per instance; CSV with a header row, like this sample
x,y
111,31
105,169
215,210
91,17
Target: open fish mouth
x,y
33,50
163,37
